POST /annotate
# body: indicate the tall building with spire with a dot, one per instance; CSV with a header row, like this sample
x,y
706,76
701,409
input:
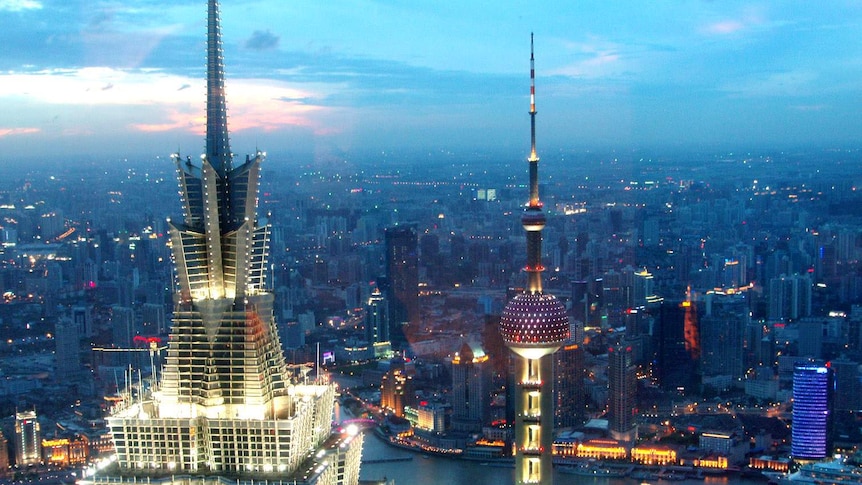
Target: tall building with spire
x,y
227,407
534,325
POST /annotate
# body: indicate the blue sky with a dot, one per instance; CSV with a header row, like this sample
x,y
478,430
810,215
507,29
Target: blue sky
x,y
324,79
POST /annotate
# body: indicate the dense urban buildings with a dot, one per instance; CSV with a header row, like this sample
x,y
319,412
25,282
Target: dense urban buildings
x,y
715,269
534,325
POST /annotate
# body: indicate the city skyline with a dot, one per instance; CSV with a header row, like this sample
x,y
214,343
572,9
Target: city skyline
x,y
318,82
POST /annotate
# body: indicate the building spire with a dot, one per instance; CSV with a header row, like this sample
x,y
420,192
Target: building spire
x,y
218,152
533,219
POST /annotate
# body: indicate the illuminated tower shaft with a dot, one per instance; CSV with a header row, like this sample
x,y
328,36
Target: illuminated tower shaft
x,y
533,326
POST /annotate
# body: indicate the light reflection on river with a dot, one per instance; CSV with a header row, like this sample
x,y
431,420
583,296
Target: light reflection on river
x,y
432,470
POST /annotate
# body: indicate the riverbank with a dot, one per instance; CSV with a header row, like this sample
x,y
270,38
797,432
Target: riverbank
x,y
581,467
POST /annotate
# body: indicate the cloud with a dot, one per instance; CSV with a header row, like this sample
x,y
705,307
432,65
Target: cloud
x,y
4,132
19,5
724,27
262,41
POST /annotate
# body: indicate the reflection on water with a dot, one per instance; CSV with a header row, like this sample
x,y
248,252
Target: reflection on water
x,y
432,470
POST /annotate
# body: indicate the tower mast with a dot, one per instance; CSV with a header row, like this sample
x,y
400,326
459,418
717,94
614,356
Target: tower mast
x,y
218,152
533,219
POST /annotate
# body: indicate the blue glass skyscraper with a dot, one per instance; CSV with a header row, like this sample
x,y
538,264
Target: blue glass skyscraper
x,y
812,381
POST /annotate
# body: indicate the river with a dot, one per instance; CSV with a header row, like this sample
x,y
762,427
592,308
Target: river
x,y
433,470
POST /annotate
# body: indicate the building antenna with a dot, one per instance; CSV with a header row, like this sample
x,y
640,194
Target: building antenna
x,y
533,219
218,152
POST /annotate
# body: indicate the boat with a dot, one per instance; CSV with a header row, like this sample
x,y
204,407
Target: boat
x,y
834,472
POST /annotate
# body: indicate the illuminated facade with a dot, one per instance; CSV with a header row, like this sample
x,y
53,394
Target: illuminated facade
x,y
811,395
28,439
601,449
533,326
226,405
654,455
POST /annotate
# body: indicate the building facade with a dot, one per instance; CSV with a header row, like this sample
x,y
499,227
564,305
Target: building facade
x,y
812,382
28,439
622,394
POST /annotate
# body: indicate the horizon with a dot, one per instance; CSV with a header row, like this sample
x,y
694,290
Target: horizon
x,y
322,82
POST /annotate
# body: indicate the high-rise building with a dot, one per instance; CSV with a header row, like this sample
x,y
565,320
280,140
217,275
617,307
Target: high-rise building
x,y
153,320
722,329
677,352
789,297
226,407
569,389
396,388
534,325
5,470
402,281
377,318
67,353
622,394
28,439
471,388
812,383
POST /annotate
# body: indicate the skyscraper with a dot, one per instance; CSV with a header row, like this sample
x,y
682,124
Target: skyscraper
x,y
402,281
471,388
533,326
377,319
28,439
226,405
811,411
622,393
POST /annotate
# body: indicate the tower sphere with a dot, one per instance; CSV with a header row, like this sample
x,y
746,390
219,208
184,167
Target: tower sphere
x,y
534,324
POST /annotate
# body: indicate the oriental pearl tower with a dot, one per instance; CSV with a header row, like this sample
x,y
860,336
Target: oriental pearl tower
x,y
533,326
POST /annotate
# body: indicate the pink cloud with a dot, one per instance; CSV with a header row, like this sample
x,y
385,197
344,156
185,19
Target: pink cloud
x,y
18,131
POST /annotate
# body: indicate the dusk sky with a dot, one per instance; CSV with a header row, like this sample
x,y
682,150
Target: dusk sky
x,y
126,78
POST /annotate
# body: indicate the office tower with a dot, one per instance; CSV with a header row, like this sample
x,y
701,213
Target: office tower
x,y
28,439
67,353
789,297
471,388
377,318
622,394
812,381
396,389
569,389
848,388
5,471
678,351
534,325
122,326
83,318
810,342
153,321
722,329
402,281
226,408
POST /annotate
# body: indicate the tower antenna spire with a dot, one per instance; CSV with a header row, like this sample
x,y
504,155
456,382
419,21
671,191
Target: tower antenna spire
x,y
218,152
533,219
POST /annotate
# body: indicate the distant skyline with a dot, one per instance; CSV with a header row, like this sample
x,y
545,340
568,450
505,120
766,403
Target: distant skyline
x,y
317,81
